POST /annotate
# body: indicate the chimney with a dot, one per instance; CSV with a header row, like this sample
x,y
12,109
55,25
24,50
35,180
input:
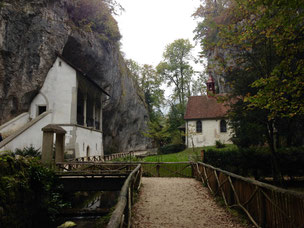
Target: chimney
x,y
210,86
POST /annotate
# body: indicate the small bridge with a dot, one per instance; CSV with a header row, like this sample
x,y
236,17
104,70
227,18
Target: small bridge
x,y
265,205
92,176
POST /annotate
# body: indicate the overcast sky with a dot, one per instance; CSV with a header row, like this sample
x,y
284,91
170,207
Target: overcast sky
x,y
147,26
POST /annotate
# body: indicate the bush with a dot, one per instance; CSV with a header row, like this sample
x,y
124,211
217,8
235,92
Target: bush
x,y
171,148
94,15
219,144
291,161
257,161
29,193
28,152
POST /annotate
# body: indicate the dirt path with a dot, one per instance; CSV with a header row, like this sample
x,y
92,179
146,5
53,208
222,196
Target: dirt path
x,y
176,203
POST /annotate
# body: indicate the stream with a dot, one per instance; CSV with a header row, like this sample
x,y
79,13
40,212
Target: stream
x,y
89,209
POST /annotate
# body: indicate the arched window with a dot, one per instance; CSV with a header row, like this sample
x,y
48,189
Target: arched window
x,y
199,126
88,152
223,126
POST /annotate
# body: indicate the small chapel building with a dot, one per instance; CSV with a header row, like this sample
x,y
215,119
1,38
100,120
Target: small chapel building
x,y
206,119
69,100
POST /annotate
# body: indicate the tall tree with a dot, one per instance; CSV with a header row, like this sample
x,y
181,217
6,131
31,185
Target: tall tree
x,y
259,45
149,83
176,69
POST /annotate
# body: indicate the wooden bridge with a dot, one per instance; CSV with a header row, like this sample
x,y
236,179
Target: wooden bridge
x,y
265,205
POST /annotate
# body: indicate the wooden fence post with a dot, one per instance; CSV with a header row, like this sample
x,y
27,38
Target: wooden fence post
x,y
157,170
261,208
192,170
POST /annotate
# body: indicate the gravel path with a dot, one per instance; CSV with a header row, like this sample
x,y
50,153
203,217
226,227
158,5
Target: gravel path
x,y
176,203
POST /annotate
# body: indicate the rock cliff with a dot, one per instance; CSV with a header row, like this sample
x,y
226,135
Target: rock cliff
x,y
31,33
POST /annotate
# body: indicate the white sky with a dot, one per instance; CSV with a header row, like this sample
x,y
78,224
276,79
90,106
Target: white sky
x,y
147,26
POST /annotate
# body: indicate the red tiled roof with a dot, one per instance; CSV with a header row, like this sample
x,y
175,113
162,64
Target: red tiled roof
x,y
204,107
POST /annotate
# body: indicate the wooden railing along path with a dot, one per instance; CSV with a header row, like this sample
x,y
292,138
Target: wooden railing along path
x,y
264,204
93,168
121,217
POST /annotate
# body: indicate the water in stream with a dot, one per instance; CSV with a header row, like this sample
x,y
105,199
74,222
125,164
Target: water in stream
x,y
88,208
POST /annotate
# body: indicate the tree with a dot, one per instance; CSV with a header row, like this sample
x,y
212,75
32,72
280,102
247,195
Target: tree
x,y
96,15
158,132
176,70
259,46
149,82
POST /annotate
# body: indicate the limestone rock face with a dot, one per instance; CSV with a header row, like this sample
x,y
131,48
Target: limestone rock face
x,y
216,72
31,33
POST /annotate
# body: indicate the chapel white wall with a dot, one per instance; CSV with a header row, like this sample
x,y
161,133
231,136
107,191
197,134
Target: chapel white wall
x,y
58,86
79,139
208,136
58,95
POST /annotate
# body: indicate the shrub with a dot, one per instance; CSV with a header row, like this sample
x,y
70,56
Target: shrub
x,y
256,161
219,144
291,161
228,159
94,15
171,148
28,152
29,193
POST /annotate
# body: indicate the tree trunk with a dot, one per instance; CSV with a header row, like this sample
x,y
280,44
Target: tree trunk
x,y
276,172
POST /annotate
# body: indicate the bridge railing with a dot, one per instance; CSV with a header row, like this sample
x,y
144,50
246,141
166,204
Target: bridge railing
x,y
121,217
264,204
102,158
93,168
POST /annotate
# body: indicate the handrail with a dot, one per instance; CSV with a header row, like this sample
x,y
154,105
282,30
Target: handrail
x,y
13,120
264,204
255,182
124,198
102,158
24,128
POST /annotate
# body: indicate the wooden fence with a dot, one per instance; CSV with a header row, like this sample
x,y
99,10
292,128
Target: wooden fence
x,y
167,169
264,204
93,168
104,158
121,217
162,169
150,169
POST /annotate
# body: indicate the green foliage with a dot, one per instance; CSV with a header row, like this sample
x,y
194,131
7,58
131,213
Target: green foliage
x,y
95,15
176,117
219,144
128,159
171,148
176,70
258,46
149,83
159,133
28,151
186,155
257,161
259,38
29,193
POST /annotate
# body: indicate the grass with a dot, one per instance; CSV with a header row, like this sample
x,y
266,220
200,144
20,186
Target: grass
x,y
171,170
188,154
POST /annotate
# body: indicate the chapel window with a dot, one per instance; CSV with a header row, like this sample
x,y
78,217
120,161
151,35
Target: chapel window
x,y
199,126
41,109
223,126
